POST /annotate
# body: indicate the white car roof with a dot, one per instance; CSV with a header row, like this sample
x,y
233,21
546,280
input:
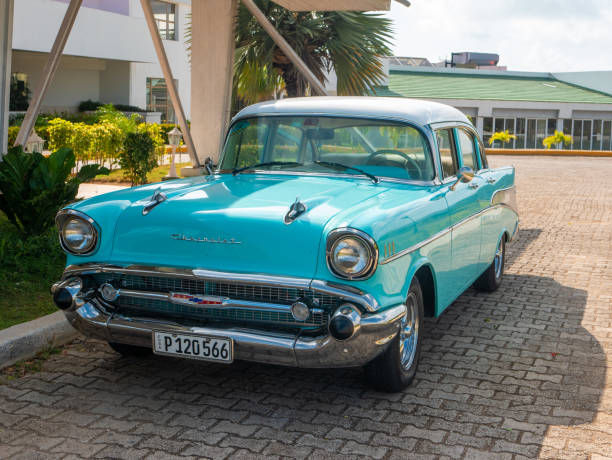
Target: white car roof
x,y
412,110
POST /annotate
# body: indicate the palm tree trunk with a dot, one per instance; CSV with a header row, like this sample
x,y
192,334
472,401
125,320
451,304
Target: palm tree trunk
x,y
291,83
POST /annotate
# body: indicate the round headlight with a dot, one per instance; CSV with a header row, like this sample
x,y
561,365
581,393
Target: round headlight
x,y
352,255
78,235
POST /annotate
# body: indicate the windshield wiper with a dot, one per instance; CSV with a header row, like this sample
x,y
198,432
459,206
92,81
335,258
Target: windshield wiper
x,y
268,163
333,164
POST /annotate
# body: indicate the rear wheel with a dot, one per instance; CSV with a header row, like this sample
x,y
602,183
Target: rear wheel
x,y
491,279
129,350
395,369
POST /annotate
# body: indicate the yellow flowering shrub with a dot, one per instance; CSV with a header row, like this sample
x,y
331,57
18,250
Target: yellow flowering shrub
x,y
60,134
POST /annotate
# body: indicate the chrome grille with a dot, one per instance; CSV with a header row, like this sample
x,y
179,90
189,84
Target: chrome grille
x,y
146,306
264,294
279,295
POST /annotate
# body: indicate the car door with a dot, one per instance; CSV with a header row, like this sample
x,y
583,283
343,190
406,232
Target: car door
x,y
463,206
490,181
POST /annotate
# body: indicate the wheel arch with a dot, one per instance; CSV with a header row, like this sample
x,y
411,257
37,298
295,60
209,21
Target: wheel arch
x,y
425,273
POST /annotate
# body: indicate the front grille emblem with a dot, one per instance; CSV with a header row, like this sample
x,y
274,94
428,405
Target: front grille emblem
x,y
188,299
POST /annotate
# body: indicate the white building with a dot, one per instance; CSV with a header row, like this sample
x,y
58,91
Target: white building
x,y
109,56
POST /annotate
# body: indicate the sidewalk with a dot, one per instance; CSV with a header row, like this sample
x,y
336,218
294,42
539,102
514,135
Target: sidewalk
x,y
89,190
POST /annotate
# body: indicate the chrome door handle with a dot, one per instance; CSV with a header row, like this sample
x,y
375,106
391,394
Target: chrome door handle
x,y
473,186
490,181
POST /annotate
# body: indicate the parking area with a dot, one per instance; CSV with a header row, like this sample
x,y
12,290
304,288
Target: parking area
x,y
522,372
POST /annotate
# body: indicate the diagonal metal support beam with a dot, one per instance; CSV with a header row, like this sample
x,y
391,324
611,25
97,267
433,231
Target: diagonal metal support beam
x,y
316,85
167,71
48,72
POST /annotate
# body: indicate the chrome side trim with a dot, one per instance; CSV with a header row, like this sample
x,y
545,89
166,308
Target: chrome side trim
x,y
417,246
506,196
366,301
443,232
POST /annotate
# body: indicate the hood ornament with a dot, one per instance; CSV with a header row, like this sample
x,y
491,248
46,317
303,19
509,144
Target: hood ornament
x,y
295,210
157,198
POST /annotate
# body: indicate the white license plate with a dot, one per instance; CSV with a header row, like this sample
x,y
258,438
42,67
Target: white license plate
x,y
193,346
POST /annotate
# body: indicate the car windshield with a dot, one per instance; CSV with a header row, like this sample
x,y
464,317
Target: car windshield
x,y
331,145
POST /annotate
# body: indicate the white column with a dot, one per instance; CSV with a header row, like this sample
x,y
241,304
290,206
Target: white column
x,y
559,125
212,60
6,45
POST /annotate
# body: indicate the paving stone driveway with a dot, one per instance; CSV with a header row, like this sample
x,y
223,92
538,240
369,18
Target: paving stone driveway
x,y
518,373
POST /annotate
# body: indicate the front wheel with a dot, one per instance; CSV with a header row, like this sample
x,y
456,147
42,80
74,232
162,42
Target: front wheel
x,y
491,279
395,369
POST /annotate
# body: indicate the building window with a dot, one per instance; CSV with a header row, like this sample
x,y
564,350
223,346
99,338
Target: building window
x,y
596,135
519,142
487,129
504,124
606,138
20,92
165,17
158,99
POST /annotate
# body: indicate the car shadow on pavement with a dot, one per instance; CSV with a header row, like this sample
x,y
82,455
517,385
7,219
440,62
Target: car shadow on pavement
x,y
497,370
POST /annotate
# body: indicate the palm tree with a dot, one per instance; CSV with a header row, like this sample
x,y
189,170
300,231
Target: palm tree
x,y
350,43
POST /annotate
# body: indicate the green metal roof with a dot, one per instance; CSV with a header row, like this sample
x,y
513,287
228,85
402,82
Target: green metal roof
x,y
447,85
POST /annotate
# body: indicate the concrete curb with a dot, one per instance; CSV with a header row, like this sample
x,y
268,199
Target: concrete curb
x,y
24,340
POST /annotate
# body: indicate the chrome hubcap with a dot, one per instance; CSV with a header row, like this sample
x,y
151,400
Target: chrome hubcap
x,y
409,332
499,260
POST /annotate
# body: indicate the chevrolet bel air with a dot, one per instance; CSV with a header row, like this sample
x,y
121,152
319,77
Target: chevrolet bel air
x,y
331,227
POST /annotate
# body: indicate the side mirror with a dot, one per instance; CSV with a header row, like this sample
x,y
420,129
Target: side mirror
x,y
465,174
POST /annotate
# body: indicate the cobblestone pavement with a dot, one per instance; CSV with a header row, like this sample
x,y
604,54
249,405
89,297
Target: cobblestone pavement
x,y
518,373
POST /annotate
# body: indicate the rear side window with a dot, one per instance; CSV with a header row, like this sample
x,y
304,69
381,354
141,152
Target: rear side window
x,y
483,156
468,149
448,156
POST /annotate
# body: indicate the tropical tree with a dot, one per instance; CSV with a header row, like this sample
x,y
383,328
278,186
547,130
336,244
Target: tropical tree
x,y
347,42
350,43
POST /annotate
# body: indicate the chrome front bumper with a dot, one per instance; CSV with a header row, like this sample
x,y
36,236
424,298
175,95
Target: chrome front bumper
x,y
375,332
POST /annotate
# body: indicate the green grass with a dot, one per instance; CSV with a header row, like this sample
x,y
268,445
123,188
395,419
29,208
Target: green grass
x,y
28,268
116,176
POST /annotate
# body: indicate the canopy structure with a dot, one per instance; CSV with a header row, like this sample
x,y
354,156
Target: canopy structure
x,y
212,51
337,5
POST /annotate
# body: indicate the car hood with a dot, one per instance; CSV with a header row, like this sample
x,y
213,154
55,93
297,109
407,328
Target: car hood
x,y
232,223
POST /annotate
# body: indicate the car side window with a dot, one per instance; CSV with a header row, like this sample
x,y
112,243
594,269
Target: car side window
x,y
468,149
483,157
448,154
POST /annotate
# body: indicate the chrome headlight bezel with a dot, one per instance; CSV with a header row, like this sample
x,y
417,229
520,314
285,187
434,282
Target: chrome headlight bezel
x,y
340,234
65,216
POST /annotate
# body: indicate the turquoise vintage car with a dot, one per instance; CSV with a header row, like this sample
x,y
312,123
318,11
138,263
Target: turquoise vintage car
x,y
329,230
